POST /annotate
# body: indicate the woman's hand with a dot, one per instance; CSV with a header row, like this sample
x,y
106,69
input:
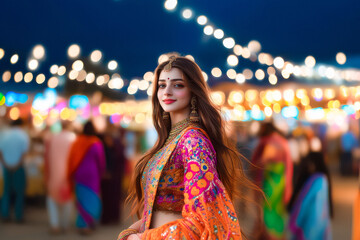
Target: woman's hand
x,y
136,225
135,236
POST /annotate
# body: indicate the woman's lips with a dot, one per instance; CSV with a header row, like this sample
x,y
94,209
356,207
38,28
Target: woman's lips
x,y
169,101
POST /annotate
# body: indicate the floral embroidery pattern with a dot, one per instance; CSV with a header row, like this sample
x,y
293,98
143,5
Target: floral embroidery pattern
x,y
183,177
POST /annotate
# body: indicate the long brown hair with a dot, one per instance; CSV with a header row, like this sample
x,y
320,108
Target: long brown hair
x,y
228,166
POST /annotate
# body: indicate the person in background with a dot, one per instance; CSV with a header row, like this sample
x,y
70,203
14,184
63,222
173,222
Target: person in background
x,y
274,176
86,165
14,144
348,142
311,204
59,199
111,183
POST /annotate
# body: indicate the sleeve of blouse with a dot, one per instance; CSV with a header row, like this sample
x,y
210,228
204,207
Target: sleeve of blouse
x,y
208,212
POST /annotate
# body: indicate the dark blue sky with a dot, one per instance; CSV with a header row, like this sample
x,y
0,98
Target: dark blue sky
x,y
136,32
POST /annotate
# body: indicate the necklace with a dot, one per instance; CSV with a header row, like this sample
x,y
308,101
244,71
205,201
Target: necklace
x,y
176,129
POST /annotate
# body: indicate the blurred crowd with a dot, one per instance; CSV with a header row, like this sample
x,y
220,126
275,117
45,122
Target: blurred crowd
x,y
86,170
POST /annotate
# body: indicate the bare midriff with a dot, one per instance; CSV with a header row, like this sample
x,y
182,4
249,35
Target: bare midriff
x,y
160,217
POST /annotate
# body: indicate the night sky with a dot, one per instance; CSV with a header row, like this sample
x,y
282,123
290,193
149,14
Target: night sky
x,y
136,32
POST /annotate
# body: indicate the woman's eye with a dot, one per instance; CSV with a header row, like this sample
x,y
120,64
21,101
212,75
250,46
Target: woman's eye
x,y
162,86
179,85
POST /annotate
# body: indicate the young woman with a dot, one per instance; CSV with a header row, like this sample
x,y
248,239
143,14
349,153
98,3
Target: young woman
x,y
86,165
185,183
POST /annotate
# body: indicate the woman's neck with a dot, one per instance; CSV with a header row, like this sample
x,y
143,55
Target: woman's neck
x,y
176,118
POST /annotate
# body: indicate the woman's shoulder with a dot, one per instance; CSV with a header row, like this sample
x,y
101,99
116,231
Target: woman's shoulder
x,y
195,133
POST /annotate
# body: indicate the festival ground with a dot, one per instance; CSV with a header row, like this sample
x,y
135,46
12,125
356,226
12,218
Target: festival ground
x,y
36,224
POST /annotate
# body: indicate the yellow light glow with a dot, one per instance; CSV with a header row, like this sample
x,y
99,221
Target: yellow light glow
x,y
273,79
170,4
37,120
235,97
78,65
54,113
65,114
310,61
271,70
2,53
229,42
279,62
140,118
53,82
344,91
305,100
276,95
14,59
254,46
289,95
187,14
341,58
6,76
163,58
336,104
40,78
260,74
285,74
300,93
277,108
18,77
132,89
81,76
28,77
14,113
231,73
149,76
90,77
240,78
112,65
218,98
54,69
248,74
237,49
33,64
100,80
218,33
251,95
61,71
190,57
246,53
216,72
202,20
96,56
232,60
74,51
73,74
143,85
38,52
329,93
205,76
208,30
268,111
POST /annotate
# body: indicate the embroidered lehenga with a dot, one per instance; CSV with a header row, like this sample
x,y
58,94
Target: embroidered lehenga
x,y
182,178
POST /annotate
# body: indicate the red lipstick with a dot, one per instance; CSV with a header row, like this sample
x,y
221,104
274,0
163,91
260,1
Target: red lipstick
x,y
168,101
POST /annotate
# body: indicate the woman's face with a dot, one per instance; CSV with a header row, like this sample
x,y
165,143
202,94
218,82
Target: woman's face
x,y
174,94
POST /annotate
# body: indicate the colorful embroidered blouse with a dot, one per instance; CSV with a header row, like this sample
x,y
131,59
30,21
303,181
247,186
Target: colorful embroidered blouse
x,y
183,177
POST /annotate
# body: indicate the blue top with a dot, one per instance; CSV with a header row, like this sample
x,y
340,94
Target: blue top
x,y
14,142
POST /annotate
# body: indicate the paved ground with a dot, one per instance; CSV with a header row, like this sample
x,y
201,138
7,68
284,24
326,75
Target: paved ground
x,y
36,219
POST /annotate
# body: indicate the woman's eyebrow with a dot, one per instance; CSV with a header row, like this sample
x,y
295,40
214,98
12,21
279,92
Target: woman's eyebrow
x,y
175,79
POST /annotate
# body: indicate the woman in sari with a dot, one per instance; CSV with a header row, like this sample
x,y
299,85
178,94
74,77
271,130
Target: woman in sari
x,y
311,204
184,185
86,164
274,176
